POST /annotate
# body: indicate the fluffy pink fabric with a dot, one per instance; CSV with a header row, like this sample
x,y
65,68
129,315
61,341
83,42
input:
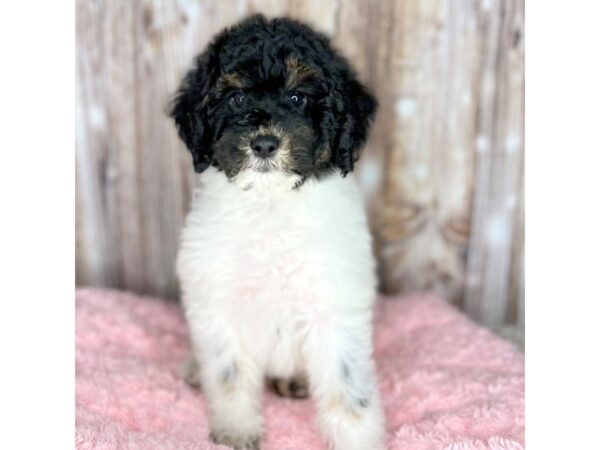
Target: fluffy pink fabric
x,y
446,383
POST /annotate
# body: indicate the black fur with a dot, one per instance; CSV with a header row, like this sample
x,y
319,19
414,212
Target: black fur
x,y
327,131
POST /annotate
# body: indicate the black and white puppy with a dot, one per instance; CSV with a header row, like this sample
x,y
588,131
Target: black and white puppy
x,y
275,263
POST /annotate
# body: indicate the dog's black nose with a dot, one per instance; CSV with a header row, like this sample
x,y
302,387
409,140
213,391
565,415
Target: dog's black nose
x,y
264,146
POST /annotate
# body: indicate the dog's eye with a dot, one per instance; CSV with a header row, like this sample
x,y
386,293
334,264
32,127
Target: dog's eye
x,y
238,99
297,99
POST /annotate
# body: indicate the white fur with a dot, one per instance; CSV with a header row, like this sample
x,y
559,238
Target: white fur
x,y
278,282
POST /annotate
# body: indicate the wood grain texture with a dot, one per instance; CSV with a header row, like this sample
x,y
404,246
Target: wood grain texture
x,y
499,153
442,174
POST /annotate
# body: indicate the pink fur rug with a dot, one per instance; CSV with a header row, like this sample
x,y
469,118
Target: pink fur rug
x,y
446,383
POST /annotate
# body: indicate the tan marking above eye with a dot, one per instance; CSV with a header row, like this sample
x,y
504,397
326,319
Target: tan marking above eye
x,y
296,72
230,80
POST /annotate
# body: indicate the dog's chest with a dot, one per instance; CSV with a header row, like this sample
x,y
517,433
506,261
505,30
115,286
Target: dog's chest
x,y
270,271
267,265
259,251
274,244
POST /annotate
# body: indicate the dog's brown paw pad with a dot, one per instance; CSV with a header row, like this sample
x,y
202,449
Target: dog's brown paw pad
x,y
296,387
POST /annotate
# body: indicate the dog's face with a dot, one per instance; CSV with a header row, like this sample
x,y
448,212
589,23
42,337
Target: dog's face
x,y
270,103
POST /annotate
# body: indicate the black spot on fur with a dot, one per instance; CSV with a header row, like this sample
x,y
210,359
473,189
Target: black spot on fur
x,y
363,402
346,371
348,379
326,129
228,374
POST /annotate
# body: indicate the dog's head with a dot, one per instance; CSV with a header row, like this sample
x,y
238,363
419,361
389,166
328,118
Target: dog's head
x,y
270,103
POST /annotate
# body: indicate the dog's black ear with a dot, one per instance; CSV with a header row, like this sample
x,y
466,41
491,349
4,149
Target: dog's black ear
x,y
189,109
354,109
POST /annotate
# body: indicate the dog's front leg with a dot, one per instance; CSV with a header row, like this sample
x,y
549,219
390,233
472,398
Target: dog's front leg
x,y
342,380
232,385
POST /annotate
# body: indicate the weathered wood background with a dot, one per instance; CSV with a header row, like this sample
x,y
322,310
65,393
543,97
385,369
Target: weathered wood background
x,y
442,173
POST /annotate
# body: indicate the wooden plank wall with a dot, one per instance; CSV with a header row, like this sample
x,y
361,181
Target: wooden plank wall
x,y
442,173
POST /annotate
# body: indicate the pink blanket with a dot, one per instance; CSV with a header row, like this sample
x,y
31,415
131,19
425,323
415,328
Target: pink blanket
x,y
446,383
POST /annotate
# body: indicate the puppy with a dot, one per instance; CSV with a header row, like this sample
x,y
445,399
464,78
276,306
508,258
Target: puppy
x,y
275,261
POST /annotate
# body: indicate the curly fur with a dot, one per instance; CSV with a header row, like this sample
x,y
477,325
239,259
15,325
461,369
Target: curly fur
x,y
260,55
275,261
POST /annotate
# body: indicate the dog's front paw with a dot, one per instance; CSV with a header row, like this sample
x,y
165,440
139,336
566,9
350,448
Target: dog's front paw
x,y
237,439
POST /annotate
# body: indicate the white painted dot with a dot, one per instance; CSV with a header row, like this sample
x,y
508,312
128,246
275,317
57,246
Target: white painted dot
x,y
486,5
406,107
513,143
466,98
96,116
369,176
421,171
482,144
192,9
497,230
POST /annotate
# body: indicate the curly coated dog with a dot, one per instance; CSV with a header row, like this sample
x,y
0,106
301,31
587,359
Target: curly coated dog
x,y
275,260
